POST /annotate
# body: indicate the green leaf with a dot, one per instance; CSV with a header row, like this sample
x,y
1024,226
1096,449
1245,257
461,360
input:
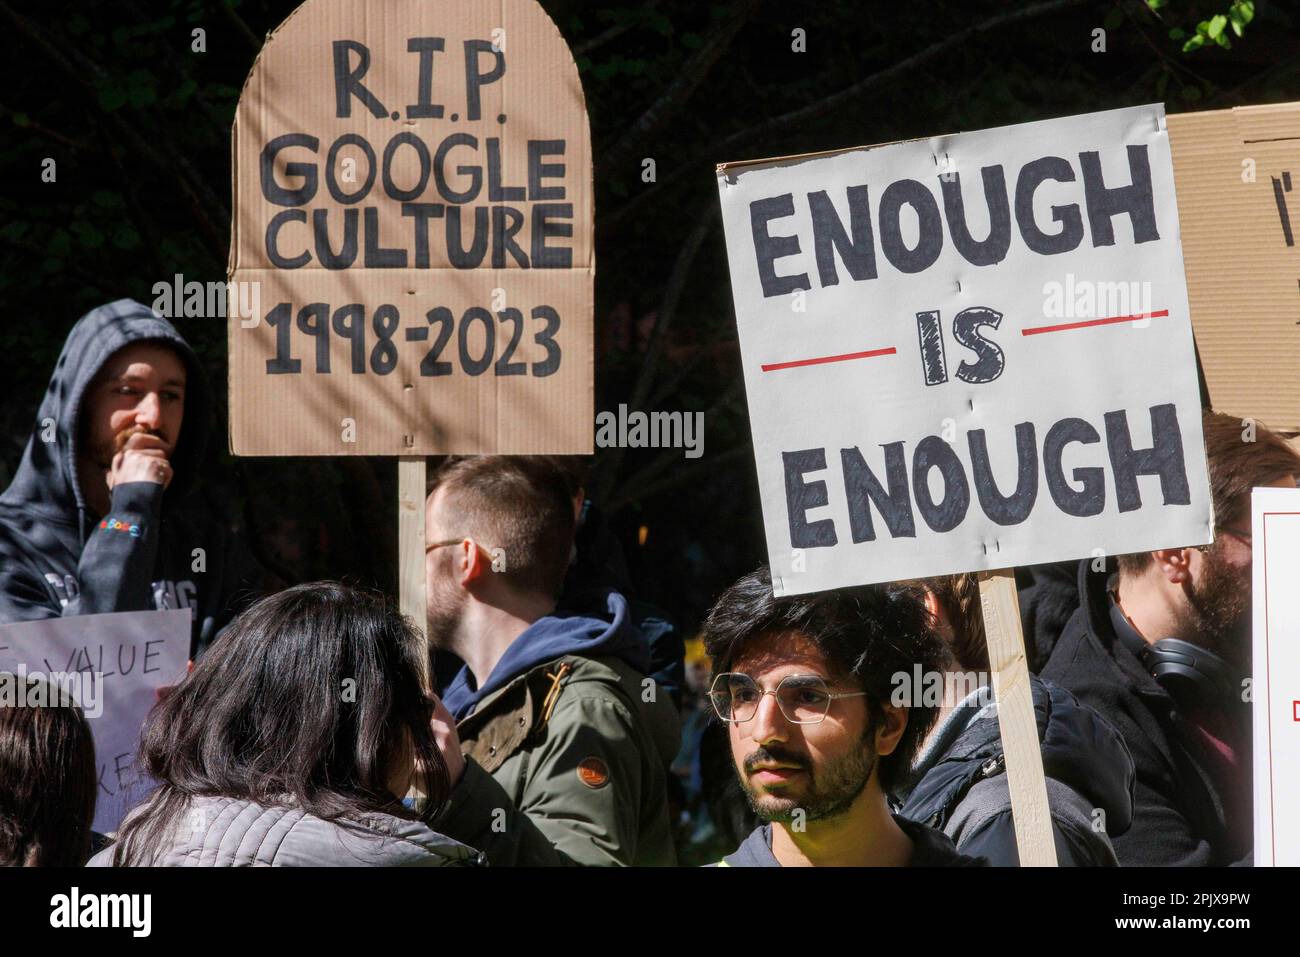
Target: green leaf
x,y
1114,19
1217,24
1156,4
60,244
1190,93
1223,41
125,237
90,237
22,119
142,96
1177,33
112,97
1246,8
182,93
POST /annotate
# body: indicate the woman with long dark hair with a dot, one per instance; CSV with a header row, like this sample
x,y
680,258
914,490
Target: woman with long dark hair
x,y
292,743
47,775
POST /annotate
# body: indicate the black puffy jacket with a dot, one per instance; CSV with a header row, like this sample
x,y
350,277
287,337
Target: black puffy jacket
x,y
960,783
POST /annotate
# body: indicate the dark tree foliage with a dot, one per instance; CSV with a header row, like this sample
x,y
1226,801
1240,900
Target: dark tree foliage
x,y
139,127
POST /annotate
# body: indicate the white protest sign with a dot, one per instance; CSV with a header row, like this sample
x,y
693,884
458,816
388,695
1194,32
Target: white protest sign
x,y
968,352
112,665
1275,534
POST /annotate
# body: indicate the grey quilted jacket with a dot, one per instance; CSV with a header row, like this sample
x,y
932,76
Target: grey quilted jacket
x,y
229,832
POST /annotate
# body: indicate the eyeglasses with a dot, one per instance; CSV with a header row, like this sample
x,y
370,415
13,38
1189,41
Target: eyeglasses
x,y
450,541
803,699
1237,533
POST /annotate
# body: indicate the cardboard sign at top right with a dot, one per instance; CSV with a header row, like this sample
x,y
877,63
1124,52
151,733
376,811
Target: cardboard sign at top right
x,y
1237,179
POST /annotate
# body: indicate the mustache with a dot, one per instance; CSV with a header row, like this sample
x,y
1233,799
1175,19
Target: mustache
x,y
774,756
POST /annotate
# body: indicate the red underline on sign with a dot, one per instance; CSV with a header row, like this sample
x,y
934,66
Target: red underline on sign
x,y
774,366
1035,330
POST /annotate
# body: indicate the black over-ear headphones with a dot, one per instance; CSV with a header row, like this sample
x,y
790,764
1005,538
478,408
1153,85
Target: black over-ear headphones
x,y
1191,674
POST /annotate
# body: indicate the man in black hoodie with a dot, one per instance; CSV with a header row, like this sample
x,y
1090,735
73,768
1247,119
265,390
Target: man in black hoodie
x,y
90,523
1160,647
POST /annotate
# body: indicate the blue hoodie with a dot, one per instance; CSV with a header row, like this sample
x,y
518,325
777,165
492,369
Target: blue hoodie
x,y
57,558
552,637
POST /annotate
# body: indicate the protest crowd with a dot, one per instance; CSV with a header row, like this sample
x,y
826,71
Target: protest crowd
x,y
541,716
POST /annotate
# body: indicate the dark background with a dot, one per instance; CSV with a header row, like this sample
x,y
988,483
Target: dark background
x,y
140,129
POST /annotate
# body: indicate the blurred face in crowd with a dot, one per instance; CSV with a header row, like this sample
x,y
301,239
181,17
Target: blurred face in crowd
x,y
140,389
785,766
1218,606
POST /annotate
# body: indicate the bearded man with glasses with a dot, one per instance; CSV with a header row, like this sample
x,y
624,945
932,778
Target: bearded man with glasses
x,y
1160,647
803,685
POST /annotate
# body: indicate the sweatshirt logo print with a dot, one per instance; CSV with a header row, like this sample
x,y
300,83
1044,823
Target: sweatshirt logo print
x,y
116,525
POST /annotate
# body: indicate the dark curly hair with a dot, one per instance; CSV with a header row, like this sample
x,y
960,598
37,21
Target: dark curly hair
x,y
868,634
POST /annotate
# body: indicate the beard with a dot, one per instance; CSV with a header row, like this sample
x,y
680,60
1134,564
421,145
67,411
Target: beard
x,y
103,452
445,607
831,789
1217,615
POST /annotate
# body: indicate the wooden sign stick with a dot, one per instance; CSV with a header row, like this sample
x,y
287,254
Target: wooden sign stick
x,y
410,548
1019,728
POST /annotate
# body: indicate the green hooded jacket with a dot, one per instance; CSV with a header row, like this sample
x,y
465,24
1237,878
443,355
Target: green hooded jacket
x,y
567,764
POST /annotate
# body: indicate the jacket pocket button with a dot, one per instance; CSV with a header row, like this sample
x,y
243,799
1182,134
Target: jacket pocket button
x,y
492,750
521,721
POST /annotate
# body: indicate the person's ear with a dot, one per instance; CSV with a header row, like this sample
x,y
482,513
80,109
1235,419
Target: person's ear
x,y
932,606
470,564
891,728
1174,564
938,617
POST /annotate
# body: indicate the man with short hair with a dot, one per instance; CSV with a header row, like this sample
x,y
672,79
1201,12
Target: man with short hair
x,y
91,522
565,740
803,684
1160,646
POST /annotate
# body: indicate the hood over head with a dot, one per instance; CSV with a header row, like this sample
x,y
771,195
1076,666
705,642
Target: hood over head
x,y
1080,748
46,479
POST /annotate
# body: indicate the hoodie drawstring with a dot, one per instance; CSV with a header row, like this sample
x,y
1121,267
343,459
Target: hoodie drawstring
x,y
553,695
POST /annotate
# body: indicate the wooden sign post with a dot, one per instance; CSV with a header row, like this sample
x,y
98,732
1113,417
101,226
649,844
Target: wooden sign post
x,y
410,544
1016,721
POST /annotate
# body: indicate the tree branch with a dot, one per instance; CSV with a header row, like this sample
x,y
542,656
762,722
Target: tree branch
x,y
241,26
719,150
679,91
618,29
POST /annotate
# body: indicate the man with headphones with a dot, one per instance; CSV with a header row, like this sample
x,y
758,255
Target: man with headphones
x,y
1160,646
